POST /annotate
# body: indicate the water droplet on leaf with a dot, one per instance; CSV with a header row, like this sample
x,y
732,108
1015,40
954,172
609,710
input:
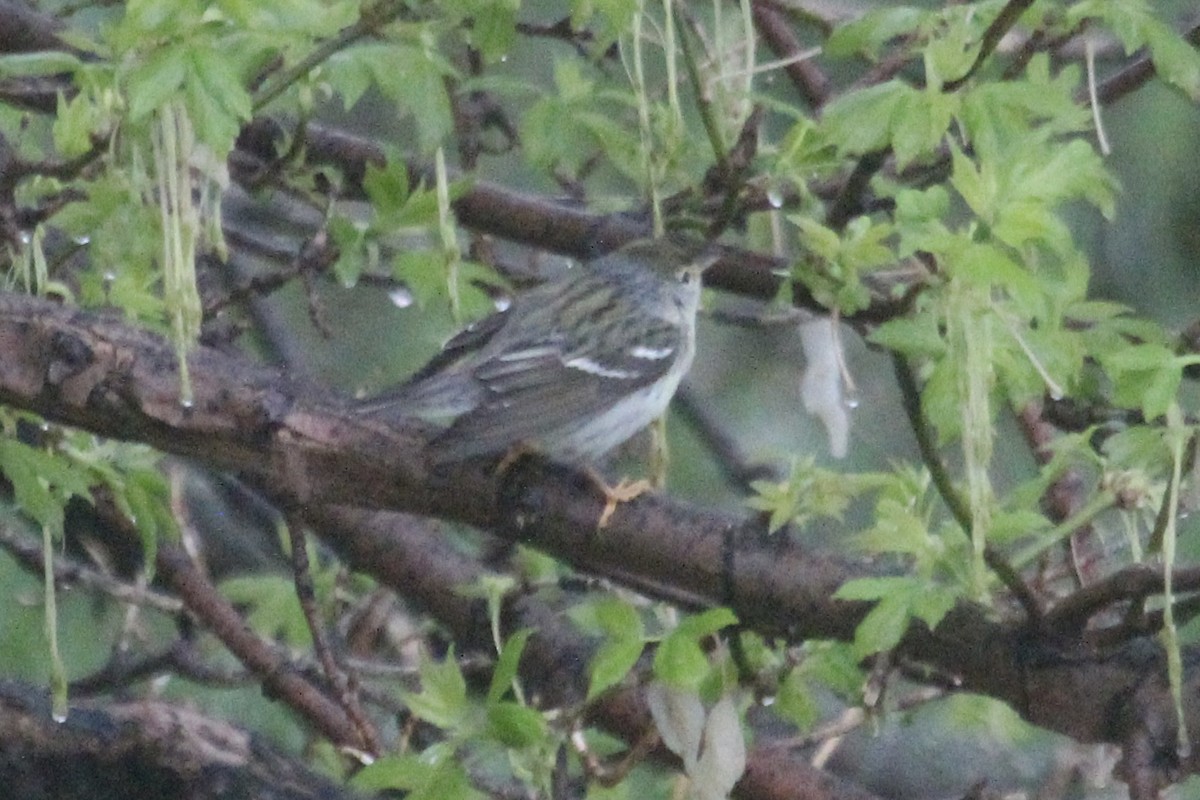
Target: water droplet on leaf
x,y
401,297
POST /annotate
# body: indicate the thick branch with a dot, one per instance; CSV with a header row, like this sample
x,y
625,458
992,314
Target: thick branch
x,y
150,748
529,218
99,374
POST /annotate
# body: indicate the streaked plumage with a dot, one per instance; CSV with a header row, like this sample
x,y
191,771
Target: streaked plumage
x,y
574,367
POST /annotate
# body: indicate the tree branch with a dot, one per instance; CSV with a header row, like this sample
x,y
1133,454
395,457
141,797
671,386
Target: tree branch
x,y
99,374
100,753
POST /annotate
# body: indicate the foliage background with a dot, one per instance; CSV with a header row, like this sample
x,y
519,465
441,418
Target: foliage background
x,y
1144,257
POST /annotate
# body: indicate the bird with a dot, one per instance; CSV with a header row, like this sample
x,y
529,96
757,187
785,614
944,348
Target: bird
x,y
571,369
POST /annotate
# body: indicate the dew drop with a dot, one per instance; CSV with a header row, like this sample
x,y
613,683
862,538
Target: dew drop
x,y
83,241
58,716
852,399
775,197
504,58
502,303
768,701
187,403
401,297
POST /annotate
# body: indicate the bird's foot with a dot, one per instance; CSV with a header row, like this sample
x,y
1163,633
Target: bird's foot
x,y
623,492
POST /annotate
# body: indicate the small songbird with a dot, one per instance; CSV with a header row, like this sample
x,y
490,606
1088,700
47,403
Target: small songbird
x,y
573,368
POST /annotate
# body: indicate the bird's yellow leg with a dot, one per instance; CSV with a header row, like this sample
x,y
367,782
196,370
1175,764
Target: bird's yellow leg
x,y
514,455
623,492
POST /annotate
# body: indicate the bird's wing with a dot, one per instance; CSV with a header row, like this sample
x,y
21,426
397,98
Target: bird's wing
x,y
438,387
542,386
463,344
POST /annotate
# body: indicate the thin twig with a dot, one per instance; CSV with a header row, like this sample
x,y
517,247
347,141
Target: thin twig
x,y
1003,22
28,553
911,397
338,678
372,19
812,83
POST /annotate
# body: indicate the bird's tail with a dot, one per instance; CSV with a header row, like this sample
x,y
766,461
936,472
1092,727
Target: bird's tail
x,y
438,399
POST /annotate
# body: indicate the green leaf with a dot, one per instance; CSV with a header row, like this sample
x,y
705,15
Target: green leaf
x,y
493,25
918,123
898,528
679,660
976,183
871,31
986,265
808,492
884,625
32,494
897,600
274,610
1175,60
419,777
422,272
1009,526
1134,23
835,666
862,121
155,81
351,242
49,62
217,101
414,79
818,239
411,76
622,643
1139,447
612,662
387,188
515,725
932,605
917,336
1000,116
309,19
42,481
705,623
795,701
506,665
76,121
159,18
872,588
1145,376
442,700
148,497
350,76
618,618
1061,172
607,18
864,245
